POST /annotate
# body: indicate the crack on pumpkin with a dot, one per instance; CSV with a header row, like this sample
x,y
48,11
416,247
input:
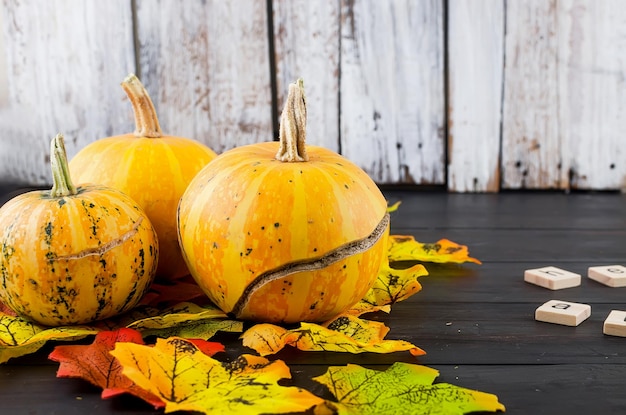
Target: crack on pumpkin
x,y
312,264
100,250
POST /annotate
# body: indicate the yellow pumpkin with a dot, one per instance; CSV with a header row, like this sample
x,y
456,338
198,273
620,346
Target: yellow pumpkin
x,y
283,232
152,168
73,255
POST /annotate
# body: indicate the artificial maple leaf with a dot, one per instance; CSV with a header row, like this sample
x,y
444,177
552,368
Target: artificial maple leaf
x,y
363,307
96,365
140,312
406,248
186,320
177,291
401,389
188,380
206,347
391,286
6,310
346,333
19,337
394,207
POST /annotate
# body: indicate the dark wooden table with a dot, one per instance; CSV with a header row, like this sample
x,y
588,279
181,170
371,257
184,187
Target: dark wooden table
x,y
476,323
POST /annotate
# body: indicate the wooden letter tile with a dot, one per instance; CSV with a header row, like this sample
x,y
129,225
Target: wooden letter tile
x,y
611,275
552,277
615,323
563,312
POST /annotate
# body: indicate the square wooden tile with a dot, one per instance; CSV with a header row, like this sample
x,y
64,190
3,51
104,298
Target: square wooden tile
x,y
552,278
611,275
615,323
563,312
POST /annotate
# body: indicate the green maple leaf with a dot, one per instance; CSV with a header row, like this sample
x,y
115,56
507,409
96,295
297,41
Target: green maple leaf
x,y
402,389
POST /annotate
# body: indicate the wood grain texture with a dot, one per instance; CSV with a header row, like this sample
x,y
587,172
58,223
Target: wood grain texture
x,y
391,85
531,141
475,70
592,92
64,62
542,211
206,66
306,42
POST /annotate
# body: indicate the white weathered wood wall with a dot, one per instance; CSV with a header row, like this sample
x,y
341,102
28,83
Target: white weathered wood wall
x,y
473,95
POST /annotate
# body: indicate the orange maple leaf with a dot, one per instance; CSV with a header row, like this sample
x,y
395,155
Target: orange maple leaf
x,y
346,333
188,380
96,365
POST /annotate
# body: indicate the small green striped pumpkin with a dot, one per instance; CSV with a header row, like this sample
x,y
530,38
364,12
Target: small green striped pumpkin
x,y
73,255
280,232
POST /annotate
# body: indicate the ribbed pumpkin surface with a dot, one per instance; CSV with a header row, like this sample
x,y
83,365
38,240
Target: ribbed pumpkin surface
x,y
151,167
155,173
247,214
74,259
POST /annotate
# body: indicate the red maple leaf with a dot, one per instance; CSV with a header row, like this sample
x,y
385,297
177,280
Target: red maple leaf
x,y
96,365
206,347
6,310
173,292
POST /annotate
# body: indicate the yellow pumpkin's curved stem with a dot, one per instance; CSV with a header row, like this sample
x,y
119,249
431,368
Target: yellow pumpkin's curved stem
x,y
292,134
146,121
61,181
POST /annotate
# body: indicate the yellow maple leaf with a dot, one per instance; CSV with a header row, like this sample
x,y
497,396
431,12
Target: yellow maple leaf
x,y
402,388
391,286
19,337
188,380
406,248
186,320
346,333
394,207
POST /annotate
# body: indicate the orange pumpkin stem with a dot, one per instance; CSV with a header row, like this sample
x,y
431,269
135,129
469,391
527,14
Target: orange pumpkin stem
x,y
146,121
292,133
61,181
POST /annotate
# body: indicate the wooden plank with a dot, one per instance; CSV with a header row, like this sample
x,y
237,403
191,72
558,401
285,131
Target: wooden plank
x,y
392,107
503,282
502,332
601,211
475,70
531,143
206,66
30,388
65,60
546,389
306,42
592,99
537,245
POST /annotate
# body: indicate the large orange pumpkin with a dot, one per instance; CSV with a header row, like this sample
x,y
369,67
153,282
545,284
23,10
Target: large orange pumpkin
x,y
153,168
73,255
283,232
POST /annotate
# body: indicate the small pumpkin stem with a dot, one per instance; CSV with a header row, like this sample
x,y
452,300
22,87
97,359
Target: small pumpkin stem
x,y
146,121
61,181
292,134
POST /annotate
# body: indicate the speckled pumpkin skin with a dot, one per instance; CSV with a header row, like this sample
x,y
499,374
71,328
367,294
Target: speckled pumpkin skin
x,y
152,171
50,270
247,213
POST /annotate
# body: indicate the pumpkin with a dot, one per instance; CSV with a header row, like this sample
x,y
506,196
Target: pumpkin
x,y
152,168
283,231
72,255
